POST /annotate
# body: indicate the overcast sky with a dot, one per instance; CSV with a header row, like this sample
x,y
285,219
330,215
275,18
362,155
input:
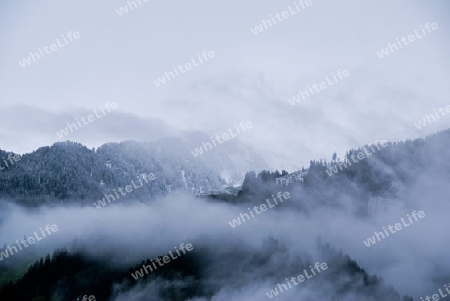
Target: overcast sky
x,y
251,77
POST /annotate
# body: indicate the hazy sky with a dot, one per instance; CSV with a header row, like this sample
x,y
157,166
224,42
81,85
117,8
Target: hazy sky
x,y
251,77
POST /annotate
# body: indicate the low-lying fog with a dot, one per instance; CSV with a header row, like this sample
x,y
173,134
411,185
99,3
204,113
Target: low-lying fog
x,y
413,260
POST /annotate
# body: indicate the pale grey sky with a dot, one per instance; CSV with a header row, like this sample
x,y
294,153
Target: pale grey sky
x,y
251,77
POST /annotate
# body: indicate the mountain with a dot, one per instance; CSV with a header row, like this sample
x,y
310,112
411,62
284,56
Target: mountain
x,y
342,202
68,172
387,173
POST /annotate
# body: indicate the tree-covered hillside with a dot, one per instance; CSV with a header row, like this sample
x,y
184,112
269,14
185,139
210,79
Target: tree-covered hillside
x,y
200,273
70,172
